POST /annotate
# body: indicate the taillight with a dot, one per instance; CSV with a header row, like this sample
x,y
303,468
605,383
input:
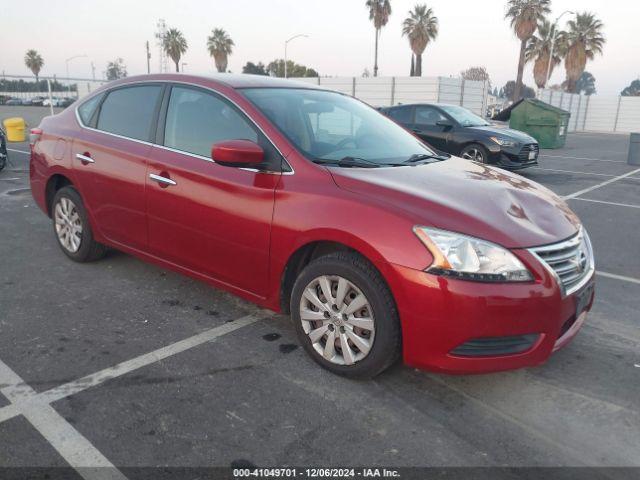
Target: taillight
x,y
34,135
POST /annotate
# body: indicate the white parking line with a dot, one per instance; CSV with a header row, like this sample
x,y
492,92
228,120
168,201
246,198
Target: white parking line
x,y
606,182
128,366
76,450
72,446
582,158
606,203
18,151
573,171
618,277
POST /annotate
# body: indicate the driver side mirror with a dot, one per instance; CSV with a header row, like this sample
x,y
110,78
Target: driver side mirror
x,y
237,153
444,123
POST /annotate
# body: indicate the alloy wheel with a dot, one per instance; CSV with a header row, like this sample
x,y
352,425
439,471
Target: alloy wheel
x,y
338,319
473,154
68,225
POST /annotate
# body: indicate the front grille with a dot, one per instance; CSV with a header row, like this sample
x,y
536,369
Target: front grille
x,y
569,261
523,156
491,346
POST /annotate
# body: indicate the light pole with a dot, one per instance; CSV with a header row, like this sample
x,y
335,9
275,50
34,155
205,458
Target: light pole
x,y
285,50
67,64
553,42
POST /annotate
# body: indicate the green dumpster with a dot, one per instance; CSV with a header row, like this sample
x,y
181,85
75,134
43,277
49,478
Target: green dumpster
x,y
544,122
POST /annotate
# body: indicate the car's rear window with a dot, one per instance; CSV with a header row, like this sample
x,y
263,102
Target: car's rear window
x,y
129,111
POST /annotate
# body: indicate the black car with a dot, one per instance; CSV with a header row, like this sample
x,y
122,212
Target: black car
x,y
3,149
458,131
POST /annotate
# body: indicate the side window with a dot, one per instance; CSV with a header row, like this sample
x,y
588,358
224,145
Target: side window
x,y
196,120
401,114
87,109
428,116
129,111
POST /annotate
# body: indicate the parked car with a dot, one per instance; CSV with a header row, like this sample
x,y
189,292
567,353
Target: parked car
x,y
3,149
26,102
14,101
66,101
458,131
310,202
56,101
37,101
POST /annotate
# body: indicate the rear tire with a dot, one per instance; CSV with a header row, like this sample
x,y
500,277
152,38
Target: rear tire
x,y
71,227
370,328
475,152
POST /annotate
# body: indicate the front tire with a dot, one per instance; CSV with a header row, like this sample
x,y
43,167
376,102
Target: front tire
x,y
345,316
475,152
71,227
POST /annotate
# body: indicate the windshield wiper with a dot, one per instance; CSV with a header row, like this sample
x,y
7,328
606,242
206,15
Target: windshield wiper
x,y
424,157
354,162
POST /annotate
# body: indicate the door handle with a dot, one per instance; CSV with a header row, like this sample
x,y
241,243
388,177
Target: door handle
x,y
161,179
84,158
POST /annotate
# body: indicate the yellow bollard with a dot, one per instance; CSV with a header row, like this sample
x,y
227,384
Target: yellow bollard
x,y
16,129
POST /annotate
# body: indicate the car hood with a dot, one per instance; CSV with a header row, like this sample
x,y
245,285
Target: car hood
x,y
511,134
470,198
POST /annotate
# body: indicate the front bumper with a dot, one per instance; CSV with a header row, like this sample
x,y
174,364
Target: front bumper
x,y
439,315
514,158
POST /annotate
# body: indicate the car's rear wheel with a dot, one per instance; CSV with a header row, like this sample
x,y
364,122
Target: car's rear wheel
x,y
345,316
475,152
71,227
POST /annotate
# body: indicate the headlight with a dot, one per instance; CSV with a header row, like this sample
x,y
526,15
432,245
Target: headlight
x,y
469,258
503,142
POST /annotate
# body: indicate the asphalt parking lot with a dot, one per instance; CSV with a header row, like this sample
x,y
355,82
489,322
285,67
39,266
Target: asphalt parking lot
x,y
122,363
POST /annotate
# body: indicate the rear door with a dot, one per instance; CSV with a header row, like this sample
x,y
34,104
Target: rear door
x,y
110,160
426,127
209,218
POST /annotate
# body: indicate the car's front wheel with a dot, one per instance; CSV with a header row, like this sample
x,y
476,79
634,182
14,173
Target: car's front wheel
x,y
475,152
71,227
345,315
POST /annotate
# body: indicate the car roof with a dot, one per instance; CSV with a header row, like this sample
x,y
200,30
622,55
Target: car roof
x,y
424,104
233,80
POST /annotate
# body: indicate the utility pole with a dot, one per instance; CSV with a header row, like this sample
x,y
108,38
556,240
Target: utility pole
x,y
285,50
148,58
93,70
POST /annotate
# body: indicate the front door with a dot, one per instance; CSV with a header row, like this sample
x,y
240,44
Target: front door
x,y
426,126
209,218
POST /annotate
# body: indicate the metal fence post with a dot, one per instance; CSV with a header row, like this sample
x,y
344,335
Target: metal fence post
x,y
462,93
353,87
438,98
393,90
570,105
586,112
615,125
578,112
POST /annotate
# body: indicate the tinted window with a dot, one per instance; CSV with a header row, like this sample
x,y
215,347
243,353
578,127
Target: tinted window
x,y
196,120
428,116
464,117
87,109
401,114
129,111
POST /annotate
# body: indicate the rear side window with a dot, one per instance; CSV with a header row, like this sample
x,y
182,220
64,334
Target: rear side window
x,y
196,120
87,109
401,114
129,111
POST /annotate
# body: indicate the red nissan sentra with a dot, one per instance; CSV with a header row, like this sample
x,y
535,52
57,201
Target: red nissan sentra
x,y
308,201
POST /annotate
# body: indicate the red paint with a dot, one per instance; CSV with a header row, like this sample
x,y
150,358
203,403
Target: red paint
x,y
237,152
237,229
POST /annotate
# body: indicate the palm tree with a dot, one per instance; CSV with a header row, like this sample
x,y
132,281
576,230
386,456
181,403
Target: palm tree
x,y
220,47
581,42
538,51
379,12
525,16
174,45
420,27
34,62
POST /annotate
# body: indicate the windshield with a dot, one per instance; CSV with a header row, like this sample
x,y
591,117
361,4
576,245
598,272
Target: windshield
x,y
329,127
464,117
